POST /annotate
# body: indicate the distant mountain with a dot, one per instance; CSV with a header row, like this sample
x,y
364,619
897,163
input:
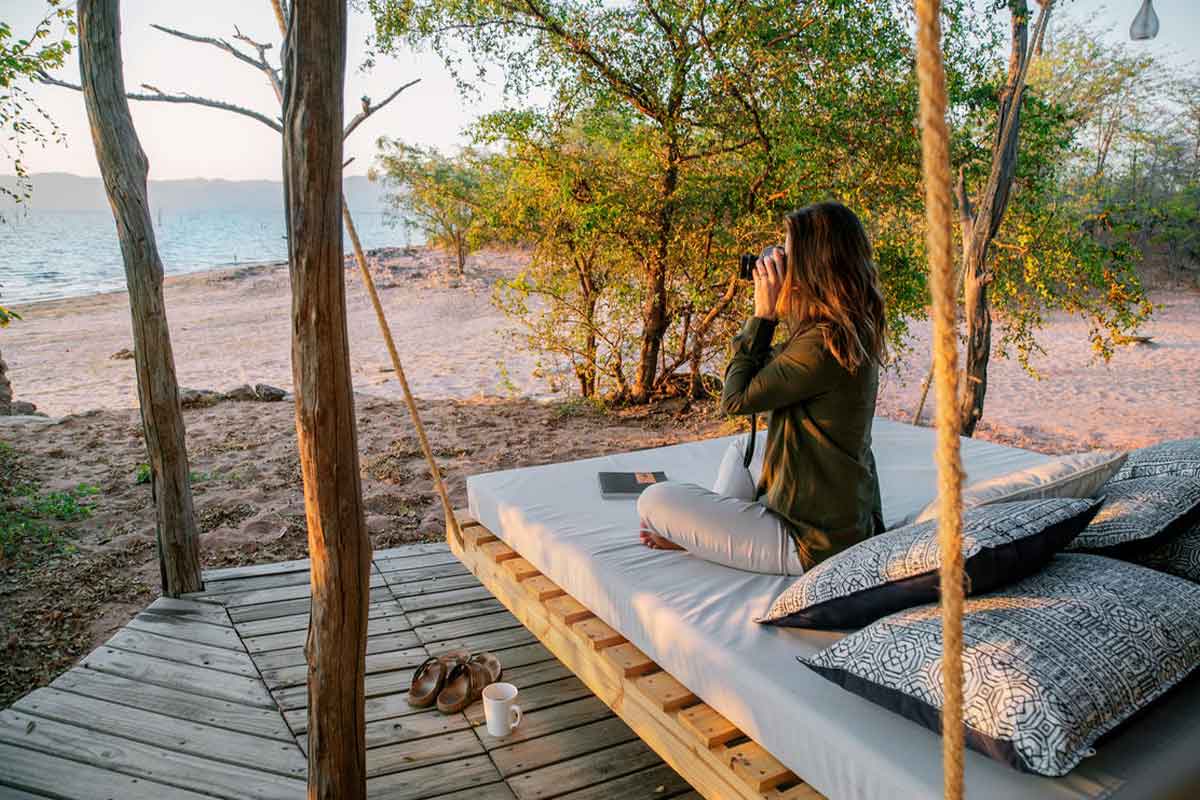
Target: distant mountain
x,y
61,191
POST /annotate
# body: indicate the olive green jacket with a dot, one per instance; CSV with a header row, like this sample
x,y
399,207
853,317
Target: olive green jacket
x,y
818,469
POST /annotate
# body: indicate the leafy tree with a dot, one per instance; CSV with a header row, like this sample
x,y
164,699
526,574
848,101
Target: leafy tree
x,y
716,119
442,194
20,62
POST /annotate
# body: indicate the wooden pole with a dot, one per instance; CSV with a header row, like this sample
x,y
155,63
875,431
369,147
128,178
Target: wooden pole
x,y
314,70
438,484
124,167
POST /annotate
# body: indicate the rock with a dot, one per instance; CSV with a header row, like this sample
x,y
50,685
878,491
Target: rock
x,y
124,354
268,393
21,408
243,392
198,398
6,392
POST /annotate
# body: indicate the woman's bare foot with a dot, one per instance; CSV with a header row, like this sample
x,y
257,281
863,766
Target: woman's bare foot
x,y
656,542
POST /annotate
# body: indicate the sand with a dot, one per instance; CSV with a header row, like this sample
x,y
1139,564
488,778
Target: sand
x,y
232,327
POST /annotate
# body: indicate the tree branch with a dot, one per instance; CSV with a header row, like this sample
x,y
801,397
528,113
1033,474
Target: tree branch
x,y
260,64
369,109
159,96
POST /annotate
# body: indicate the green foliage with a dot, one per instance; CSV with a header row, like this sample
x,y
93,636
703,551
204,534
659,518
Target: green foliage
x,y
21,59
649,144
442,195
672,139
26,512
143,474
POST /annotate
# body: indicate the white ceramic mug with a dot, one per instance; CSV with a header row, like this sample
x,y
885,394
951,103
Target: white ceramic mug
x,y
499,709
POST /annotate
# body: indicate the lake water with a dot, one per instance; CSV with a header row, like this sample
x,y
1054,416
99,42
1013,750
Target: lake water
x,y
46,255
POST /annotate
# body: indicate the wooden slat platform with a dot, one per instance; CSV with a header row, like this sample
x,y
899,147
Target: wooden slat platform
x,y
205,697
719,760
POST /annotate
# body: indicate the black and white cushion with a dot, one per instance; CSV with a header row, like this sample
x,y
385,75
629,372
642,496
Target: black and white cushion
x,y
1140,514
1002,542
1180,458
1051,663
1179,556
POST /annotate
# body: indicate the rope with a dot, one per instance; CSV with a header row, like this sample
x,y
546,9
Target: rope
x,y
935,152
369,282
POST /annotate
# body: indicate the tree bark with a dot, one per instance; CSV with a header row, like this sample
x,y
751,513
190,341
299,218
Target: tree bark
x,y
124,167
981,226
654,307
314,71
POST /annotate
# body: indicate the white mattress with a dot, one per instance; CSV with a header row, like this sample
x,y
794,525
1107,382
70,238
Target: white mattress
x,y
695,619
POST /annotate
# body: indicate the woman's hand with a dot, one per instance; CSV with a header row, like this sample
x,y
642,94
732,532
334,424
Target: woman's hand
x,y
768,280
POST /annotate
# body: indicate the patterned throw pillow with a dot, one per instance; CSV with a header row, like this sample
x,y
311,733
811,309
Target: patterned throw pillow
x,y
1002,542
1139,514
1077,475
1179,458
1051,663
1179,556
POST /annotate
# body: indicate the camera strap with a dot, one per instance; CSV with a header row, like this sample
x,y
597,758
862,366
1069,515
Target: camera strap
x,y
748,454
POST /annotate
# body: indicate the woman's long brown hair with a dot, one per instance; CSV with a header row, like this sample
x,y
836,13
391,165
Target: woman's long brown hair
x,y
831,283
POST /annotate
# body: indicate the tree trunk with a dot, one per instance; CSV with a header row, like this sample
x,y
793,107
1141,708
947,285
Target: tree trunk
x,y
6,392
123,167
314,71
654,308
983,224
461,245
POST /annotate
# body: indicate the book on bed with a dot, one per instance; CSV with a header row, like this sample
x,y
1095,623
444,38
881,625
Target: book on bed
x,y
627,485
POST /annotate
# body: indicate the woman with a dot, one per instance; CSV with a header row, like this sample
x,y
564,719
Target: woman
x,y
818,493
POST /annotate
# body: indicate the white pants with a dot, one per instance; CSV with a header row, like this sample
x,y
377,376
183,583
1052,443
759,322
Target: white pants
x,y
726,530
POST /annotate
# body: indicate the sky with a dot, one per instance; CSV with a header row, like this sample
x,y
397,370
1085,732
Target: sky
x,y
189,141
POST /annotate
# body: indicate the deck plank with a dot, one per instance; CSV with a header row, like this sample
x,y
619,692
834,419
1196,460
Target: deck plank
x,y
198,632
170,732
59,777
655,782
145,761
583,771
376,614
426,600
414,754
425,782
135,640
197,680
453,611
543,751
176,703
190,610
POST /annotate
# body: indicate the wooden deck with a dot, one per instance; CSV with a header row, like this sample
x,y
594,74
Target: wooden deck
x,y
206,697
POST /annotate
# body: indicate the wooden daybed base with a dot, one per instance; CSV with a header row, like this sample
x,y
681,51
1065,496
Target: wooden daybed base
x,y
717,759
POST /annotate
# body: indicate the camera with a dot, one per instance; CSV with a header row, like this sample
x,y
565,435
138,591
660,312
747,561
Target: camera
x,y
746,262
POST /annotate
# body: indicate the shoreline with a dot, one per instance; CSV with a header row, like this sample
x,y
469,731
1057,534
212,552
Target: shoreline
x,y
23,306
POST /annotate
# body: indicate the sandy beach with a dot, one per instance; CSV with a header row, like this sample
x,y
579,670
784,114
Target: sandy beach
x,y
485,401
231,327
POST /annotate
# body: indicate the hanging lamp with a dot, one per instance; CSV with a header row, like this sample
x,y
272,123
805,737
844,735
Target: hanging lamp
x,y
1145,24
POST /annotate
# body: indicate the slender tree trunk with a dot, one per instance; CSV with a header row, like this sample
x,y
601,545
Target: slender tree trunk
x,y
314,71
654,308
981,226
124,167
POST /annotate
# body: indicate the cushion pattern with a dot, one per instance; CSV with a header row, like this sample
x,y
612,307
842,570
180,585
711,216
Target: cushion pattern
x,y
1077,475
1140,513
1051,663
1179,556
1002,542
1180,458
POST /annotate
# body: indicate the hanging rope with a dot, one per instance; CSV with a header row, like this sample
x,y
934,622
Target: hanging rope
x,y
939,217
369,282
